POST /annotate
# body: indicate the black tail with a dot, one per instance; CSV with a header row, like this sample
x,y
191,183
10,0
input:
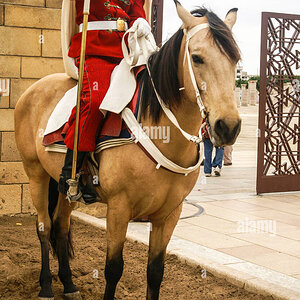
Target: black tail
x,y
52,203
52,197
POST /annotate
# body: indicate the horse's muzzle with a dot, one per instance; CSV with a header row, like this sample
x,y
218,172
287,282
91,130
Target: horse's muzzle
x,y
226,134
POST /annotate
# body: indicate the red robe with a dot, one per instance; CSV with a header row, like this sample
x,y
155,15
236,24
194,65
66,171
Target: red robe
x,y
105,43
103,53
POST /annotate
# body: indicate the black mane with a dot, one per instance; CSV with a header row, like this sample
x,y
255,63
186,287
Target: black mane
x,y
164,64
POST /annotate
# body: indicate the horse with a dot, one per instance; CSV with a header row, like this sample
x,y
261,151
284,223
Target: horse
x,y
130,183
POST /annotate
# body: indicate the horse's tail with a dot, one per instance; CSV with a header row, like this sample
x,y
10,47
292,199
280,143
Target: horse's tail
x,y
52,203
52,197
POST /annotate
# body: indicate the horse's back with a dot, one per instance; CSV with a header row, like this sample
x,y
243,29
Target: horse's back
x,y
34,108
52,85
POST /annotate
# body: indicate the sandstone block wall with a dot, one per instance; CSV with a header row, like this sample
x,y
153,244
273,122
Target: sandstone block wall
x,y
29,50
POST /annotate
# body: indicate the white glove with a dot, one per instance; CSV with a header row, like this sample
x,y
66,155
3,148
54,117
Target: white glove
x,y
142,27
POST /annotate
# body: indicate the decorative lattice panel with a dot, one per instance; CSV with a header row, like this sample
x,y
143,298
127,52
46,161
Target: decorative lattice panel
x,y
279,111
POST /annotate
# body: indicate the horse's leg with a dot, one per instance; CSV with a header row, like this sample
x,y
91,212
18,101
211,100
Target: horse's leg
x,y
63,245
159,238
39,184
117,222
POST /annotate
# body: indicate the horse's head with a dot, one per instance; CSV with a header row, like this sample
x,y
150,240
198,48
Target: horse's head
x,y
212,56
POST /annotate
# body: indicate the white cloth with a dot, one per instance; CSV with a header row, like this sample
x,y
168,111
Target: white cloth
x,y
123,83
142,27
62,111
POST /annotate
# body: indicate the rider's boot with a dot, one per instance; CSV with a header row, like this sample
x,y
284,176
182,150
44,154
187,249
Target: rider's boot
x,y
89,194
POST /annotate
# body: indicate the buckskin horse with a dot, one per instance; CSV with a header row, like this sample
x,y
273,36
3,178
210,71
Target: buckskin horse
x,y
130,183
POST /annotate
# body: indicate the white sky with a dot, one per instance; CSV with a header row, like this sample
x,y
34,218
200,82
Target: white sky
x,y
247,28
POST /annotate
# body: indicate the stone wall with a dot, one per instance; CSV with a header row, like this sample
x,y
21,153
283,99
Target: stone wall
x,y
29,50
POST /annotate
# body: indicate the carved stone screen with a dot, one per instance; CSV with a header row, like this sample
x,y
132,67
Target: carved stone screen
x,y
278,164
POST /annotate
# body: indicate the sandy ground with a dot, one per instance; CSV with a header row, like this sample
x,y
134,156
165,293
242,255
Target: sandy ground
x,y
20,267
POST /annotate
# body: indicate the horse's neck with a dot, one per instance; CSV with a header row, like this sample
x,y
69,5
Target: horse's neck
x,y
188,116
175,146
178,148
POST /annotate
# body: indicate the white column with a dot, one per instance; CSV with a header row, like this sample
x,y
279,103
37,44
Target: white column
x,y
252,92
244,101
237,96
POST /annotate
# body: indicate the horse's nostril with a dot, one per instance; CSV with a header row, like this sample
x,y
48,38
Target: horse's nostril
x,y
226,134
236,130
221,128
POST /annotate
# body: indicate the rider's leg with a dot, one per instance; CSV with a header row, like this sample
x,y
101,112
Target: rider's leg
x,y
96,80
88,194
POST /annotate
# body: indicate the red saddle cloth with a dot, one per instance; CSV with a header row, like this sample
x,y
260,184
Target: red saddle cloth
x,y
112,126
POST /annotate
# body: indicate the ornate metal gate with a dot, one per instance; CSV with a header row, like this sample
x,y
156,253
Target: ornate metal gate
x,y
278,163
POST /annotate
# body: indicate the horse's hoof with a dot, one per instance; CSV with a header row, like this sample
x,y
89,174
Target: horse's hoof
x,y
73,296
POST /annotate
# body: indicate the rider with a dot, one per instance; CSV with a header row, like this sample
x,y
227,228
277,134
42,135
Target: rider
x,y
103,53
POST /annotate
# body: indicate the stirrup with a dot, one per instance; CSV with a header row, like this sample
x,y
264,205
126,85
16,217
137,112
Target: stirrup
x,y
74,194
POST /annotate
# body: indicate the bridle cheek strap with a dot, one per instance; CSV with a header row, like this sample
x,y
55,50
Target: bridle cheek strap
x,y
189,34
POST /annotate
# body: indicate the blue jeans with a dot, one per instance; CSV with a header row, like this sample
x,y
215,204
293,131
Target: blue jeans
x,y
217,162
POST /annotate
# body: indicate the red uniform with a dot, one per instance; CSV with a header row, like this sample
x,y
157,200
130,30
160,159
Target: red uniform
x,y
103,53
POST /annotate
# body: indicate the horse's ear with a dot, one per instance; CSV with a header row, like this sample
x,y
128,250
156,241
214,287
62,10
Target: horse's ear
x,y
231,18
186,17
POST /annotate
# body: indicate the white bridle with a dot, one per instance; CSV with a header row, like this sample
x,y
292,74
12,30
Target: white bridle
x,y
189,34
146,44
193,138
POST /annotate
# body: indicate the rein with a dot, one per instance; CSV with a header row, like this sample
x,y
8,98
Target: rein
x,y
195,139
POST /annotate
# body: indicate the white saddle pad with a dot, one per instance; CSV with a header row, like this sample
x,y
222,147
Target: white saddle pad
x,y
62,111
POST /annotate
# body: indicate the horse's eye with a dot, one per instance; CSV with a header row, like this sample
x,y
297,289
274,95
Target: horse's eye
x,y
197,59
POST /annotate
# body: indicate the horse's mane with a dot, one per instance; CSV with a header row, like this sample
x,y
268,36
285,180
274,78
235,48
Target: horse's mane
x,y
164,64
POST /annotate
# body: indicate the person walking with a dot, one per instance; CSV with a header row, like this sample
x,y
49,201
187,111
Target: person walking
x,y
216,164
228,155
